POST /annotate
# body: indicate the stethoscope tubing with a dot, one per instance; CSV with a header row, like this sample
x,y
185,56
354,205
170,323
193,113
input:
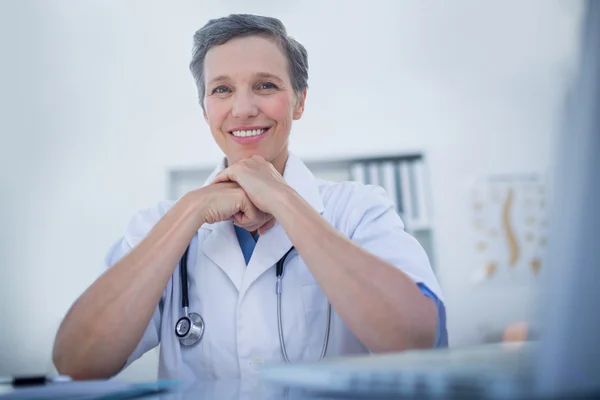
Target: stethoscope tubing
x,y
279,272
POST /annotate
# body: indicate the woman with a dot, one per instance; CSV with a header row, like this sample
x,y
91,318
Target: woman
x,y
349,246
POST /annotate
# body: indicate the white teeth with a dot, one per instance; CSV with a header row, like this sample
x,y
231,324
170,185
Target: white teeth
x,y
248,133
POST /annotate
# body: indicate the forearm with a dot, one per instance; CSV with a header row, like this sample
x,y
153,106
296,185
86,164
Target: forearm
x,y
380,304
105,324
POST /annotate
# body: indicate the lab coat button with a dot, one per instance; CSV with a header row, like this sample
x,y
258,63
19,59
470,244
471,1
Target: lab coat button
x,y
256,362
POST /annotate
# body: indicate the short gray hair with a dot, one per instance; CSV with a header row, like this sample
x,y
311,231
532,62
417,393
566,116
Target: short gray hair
x,y
219,31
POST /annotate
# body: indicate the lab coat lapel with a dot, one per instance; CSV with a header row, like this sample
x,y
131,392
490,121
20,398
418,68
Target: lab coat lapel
x,y
271,246
274,243
221,245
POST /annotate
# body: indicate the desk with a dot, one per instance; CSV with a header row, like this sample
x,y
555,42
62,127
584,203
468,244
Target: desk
x,y
239,390
257,390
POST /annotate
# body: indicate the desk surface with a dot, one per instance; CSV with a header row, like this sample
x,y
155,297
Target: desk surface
x,y
225,390
237,390
258,390
115,389
251,390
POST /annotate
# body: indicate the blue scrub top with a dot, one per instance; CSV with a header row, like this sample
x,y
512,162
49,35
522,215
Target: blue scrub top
x,y
248,242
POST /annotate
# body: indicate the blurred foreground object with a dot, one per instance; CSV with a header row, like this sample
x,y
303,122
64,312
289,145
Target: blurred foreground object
x,y
517,332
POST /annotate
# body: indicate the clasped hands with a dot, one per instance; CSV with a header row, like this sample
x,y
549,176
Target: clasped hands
x,y
246,192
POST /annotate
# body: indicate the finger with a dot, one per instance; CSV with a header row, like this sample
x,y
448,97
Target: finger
x,y
243,220
240,218
251,220
267,226
248,214
250,226
237,217
226,175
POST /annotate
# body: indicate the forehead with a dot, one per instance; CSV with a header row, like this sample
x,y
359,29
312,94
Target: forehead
x,y
244,57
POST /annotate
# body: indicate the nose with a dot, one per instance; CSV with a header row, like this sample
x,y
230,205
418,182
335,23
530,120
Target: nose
x,y
244,105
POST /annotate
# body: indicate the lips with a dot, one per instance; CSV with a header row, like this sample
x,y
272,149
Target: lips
x,y
249,135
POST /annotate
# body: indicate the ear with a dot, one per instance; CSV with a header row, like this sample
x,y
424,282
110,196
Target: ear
x,y
299,107
204,114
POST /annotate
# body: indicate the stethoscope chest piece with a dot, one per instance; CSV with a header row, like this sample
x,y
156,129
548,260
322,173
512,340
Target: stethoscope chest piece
x,y
189,329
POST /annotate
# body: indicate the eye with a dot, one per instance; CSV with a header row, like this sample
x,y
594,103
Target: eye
x,y
220,90
267,86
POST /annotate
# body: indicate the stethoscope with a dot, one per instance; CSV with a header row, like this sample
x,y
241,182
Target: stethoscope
x,y
189,329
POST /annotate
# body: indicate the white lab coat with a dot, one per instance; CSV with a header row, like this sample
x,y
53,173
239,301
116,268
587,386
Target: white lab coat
x,y
238,302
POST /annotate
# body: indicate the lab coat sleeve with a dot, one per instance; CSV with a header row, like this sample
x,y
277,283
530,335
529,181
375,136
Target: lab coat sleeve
x,y
139,226
374,224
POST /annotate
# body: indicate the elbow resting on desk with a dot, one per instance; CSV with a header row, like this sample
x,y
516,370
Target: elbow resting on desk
x,y
90,348
79,361
406,331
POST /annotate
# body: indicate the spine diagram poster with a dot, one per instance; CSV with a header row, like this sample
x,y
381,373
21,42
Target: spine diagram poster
x,y
509,228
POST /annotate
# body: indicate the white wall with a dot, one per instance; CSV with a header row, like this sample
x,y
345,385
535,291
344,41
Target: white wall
x,y
99,103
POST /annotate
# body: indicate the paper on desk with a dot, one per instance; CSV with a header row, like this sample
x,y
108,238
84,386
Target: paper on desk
x,y
88,390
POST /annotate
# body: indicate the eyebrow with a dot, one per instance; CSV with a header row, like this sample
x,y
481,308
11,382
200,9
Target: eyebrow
x,y
266,75
219,78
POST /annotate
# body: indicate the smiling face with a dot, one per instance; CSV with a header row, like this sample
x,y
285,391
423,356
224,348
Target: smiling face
x,y
250,102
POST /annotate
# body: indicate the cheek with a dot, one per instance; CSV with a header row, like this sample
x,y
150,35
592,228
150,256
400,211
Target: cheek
x,y
215,113
280,108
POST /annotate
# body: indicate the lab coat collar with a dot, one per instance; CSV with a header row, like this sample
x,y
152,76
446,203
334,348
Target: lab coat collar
x,y
223,248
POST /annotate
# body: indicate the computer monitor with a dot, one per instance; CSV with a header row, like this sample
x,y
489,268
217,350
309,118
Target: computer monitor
x,y
569,360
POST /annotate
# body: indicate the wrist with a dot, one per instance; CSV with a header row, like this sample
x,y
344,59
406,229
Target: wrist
x,y
284,202
194,204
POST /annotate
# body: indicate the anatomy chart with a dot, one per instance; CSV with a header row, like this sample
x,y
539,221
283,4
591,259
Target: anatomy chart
x,y
509,228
